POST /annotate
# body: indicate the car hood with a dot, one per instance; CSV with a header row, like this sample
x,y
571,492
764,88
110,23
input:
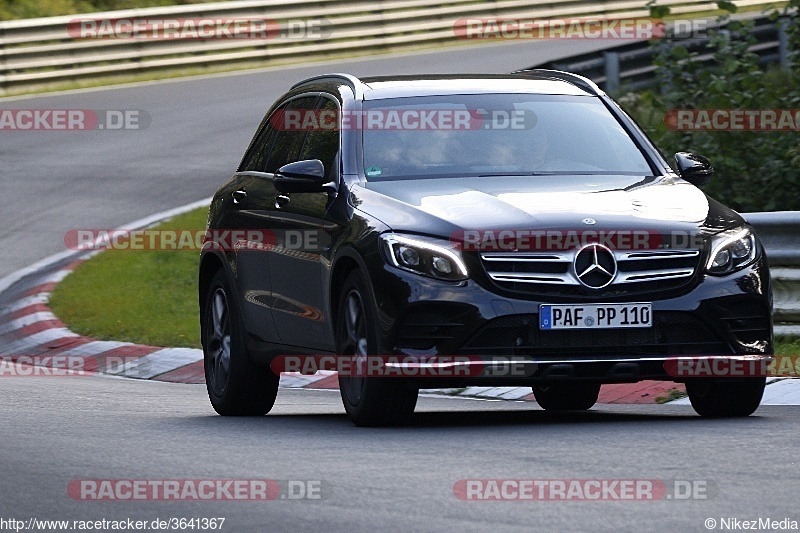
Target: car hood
x,y
441,206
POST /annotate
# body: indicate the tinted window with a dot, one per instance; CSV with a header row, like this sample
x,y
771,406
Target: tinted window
x,y
496,134
322,141
289,138
256,157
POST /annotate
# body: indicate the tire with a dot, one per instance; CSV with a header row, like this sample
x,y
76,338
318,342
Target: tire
x,y
369,401
236,387
723,399
566,396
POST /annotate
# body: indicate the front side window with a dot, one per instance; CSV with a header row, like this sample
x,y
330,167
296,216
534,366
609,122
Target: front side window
x,y
256,157
288,139
322,141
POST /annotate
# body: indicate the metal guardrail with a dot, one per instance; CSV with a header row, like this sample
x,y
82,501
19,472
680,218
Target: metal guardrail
x,y
37,52
630,66
780,233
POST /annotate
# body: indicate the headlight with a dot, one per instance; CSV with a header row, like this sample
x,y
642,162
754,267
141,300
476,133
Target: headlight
x,y
424,256
732,251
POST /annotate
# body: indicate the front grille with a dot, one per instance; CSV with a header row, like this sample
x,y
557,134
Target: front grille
x,y
672,333
549,272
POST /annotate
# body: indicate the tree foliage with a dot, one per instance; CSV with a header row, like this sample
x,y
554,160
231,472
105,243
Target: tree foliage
x,y
754,170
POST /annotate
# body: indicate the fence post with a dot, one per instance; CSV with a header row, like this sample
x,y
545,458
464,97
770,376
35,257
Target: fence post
x,y
611,60
783,43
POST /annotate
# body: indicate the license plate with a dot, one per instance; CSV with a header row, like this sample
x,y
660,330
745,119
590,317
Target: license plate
x,y
595,316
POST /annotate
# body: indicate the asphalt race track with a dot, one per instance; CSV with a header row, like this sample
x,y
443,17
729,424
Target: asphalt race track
x,y
62,429
57,432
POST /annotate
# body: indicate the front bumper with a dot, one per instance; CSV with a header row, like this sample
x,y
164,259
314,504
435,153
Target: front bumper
x,y
424,318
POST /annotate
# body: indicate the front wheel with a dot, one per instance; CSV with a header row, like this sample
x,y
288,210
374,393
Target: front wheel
x,y
236,387
369,401
721,398
566,396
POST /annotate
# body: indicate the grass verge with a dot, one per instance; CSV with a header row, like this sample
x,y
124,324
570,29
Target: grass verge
x,y
146,297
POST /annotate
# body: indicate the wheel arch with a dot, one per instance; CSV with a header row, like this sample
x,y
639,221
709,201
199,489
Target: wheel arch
x,y
347,259
210,263
344,265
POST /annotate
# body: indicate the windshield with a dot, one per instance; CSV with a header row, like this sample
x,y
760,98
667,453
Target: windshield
x,y
495,134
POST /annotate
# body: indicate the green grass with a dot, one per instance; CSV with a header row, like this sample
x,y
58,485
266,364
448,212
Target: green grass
x,y
146,297
672,394
787,345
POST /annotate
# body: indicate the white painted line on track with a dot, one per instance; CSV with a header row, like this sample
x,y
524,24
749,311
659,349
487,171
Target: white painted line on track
x,y
14,277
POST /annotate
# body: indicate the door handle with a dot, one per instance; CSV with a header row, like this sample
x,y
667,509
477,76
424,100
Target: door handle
x,y
239,195
281,201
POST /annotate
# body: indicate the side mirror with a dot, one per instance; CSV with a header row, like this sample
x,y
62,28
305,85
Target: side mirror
x,y
301,176
694,168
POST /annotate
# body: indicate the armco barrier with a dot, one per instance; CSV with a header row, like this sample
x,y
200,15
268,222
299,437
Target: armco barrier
x,y
780,233
37,52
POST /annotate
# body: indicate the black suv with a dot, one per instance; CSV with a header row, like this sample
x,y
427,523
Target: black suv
x,y
503,230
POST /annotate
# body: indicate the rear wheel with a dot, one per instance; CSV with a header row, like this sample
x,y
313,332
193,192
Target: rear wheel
x,y
566,396
369,401
723,398
236,387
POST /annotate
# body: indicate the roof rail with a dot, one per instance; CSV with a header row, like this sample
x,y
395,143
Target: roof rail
x,y
351,80
575,79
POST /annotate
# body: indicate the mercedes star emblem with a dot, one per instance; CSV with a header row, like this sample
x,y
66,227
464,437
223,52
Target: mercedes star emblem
x,y
595,266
